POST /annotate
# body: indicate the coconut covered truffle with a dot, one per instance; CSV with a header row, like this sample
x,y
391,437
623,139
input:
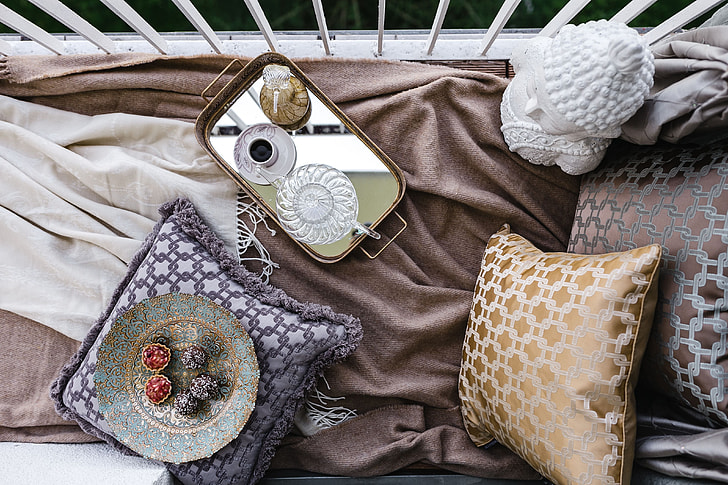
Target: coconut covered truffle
x,y
156,356
204,387
194,357
158,388
185,403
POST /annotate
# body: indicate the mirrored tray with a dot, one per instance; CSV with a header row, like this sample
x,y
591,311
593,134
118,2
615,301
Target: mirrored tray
x,y
317,132
158,431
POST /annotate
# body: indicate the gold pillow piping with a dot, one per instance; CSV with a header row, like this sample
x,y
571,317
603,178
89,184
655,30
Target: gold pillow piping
x,y
552,353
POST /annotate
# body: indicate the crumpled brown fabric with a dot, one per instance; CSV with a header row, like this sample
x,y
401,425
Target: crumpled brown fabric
x,y
441,126
414,299
690,94
143,84
31,357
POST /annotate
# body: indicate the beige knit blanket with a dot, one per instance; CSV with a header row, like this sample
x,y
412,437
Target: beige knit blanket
x,y
79,193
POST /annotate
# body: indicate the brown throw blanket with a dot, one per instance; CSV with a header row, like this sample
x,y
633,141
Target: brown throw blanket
x,y
31,356
441,127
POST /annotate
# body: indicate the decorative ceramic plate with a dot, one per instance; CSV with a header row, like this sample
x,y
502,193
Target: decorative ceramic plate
x,y
158,431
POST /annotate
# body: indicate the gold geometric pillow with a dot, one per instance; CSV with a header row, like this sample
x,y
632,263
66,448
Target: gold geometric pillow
x,y
552,353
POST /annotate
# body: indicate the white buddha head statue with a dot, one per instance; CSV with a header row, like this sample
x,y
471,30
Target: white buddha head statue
x,y
572,93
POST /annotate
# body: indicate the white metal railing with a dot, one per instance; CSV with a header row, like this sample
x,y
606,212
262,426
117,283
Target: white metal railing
x,y
491,43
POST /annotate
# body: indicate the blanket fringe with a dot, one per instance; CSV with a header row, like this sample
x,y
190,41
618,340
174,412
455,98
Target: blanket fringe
x,y
318,413
246,236
4,67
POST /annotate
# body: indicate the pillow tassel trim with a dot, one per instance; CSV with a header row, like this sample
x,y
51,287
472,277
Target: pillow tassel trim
x,y
192,224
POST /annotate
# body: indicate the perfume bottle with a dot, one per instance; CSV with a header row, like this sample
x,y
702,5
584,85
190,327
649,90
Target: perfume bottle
x,y
283,98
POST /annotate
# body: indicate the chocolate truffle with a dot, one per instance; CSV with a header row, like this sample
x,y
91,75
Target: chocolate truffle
x,y
204,387
156,356
194,357
158,388
185,403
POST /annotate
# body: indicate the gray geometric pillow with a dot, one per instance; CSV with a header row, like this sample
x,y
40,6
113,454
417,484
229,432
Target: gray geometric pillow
x,y
294,342
676,196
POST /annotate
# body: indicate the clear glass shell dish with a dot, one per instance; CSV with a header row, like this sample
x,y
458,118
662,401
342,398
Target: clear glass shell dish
x,y
317,204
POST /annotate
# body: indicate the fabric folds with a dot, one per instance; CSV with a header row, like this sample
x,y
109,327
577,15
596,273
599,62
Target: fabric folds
x,y
690,95
441,127
77,197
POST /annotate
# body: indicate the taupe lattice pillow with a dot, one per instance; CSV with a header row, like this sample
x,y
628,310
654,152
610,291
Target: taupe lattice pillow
x,y
551,354
675,196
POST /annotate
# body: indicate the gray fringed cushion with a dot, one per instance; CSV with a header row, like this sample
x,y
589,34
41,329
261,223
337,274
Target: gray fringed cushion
x,y
294,342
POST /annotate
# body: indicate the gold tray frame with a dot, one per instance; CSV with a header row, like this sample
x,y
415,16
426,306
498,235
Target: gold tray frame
x,y
236,87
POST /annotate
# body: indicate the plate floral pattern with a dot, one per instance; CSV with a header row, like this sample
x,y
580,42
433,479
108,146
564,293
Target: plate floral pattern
x,y
157,431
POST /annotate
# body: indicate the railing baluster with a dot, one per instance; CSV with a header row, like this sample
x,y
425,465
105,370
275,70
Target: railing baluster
x,y
461,45
262,22
677,21
318,9
562,18
198,21
437,25
380,27
72,20
136,22
27,28
632,10
500,20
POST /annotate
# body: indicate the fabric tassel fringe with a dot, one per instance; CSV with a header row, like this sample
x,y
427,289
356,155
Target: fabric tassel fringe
x,y
319,413
246,236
